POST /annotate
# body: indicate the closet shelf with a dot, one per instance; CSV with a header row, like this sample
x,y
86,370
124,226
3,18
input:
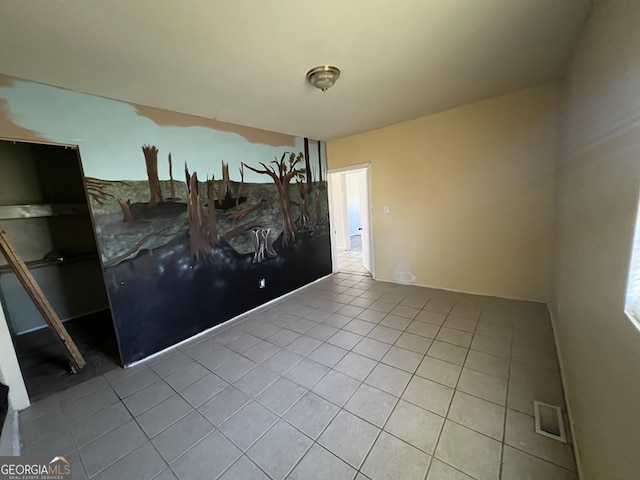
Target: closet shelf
x,y
43,210
50,262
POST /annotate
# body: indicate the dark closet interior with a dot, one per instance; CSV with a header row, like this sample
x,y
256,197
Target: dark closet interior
x,y
44,211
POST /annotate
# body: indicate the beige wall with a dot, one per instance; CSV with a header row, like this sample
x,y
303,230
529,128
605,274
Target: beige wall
x,y
470,193
597,197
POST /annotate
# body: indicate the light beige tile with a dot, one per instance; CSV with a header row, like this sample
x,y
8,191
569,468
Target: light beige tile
x,y
336,387
490,330
518,465
360,327
395,321
389,379
393,458
484,386
345,339
415,425
494,346
486,363
415,343
248,424
384,334
349,437
541,357
279,449
202,390
281,395
403,359
371,348
327,354
461,324
448,352
311,414
520,433
243,469
427,394
441,471
318,463
477,414
438,307
356,366
307,373
423,329
439,371
456,337
431,317
528,383
469,451
371,404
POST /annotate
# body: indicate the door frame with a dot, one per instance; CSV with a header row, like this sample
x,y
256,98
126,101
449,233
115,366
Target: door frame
x,y
338,174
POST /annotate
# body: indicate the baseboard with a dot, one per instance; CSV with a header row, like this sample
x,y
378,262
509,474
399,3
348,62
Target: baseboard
x,y
4,402
453,290
567,399
10,436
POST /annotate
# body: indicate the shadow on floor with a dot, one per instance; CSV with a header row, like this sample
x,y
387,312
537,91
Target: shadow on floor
x,y
44,362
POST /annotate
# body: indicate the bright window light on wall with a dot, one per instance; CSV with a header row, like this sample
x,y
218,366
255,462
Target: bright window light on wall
x,y
632,304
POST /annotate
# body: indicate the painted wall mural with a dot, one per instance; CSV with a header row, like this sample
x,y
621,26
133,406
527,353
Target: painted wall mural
x,y
196,222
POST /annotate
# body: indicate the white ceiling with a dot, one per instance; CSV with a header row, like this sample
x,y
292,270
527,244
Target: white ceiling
x,y
244,61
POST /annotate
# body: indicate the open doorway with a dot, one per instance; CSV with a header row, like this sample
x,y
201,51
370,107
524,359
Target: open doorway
x,y
45,214
351,220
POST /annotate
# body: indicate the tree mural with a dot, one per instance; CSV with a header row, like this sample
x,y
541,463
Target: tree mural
x,y
151,159
198,238
282,173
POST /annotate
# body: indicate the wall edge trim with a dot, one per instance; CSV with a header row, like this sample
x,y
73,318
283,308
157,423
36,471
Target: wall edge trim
x,y
349,168
576,449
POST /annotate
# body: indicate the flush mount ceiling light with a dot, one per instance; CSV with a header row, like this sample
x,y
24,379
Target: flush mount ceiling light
x,y
323,77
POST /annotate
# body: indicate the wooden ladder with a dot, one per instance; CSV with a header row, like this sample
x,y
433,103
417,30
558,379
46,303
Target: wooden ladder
x,y
41,302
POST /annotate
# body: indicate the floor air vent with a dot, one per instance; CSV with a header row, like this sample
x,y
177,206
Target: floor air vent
x,y
549,421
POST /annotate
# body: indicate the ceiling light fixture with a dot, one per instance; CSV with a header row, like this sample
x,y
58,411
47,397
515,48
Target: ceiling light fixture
x,y
323,77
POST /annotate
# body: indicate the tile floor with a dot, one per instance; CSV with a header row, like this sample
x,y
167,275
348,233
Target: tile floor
x,y
347,378
350,261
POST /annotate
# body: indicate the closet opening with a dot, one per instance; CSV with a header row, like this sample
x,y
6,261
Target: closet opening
x,y
45,214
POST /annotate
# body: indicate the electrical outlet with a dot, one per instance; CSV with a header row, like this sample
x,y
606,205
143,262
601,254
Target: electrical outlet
x,y
262,283
385,209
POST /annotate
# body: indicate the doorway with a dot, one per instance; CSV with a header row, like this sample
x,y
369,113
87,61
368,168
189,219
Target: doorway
x,y
45,213
349,198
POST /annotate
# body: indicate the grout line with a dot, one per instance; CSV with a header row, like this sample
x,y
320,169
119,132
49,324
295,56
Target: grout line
x,y
362,286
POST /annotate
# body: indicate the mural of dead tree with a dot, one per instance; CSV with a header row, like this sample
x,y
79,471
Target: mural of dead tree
x,y
261,204
213,229
203,234
226,182
97,188
307,164
303,220
198,239
282,174
263,245
151,160
322,185
241,185
173,188
127,216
